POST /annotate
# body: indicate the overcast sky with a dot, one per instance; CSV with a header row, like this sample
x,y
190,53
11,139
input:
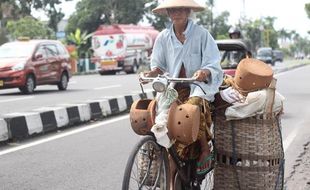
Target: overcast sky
x,y
290,14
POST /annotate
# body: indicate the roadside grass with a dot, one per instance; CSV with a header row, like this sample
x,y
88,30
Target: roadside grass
x,y
297,61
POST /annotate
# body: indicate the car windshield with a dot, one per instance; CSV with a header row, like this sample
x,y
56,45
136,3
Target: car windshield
x,y
230,59
264,53
16,50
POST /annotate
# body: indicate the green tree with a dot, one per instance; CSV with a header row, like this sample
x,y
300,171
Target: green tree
x,y
307,8
92,13
80,40
220,29
88,16
217,25
24,8
158,21
28,27
260,32
3,37
252,31
7,12
300,45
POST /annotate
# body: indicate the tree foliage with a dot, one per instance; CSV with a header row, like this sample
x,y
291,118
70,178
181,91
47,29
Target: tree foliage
x,y
92,13
28,27
260,32
8,10
80,40
158,21
217,25
22,8
307,8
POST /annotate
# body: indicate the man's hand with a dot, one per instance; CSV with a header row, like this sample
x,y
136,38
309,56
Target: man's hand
x,y
153,73
202,75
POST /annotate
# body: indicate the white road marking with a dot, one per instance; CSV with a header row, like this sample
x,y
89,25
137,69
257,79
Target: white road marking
x,y
140,91
64,134
16,99
290,70
289,139
105,87
72,82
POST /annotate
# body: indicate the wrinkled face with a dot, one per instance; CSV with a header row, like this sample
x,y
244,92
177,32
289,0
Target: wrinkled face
x,y
179,15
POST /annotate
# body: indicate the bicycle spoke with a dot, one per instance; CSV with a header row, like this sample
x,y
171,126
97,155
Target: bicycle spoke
x,y
146,167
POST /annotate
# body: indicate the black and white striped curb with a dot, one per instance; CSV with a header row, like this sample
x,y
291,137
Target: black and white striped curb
x,y
46,119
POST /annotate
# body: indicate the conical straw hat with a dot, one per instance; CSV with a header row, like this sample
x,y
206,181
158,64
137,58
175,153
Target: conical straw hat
x,y
162,8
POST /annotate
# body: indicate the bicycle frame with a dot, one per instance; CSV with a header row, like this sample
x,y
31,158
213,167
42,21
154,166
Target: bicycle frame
x,y
185,168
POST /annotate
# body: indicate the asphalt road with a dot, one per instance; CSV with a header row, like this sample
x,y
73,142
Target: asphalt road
x,y
81,88
91,159
296,121
94,156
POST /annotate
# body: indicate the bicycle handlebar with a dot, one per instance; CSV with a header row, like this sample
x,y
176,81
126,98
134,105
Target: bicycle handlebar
x,y
161,82
169,79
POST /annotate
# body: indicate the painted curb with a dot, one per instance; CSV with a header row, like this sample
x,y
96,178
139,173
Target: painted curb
x,y
4,134
42,120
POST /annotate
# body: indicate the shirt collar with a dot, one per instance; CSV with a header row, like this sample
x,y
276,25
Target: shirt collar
x,y
187,30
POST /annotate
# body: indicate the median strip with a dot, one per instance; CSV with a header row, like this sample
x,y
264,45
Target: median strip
x,y
17,126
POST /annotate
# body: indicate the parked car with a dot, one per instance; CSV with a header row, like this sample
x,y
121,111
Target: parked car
x,y
278,55
265,54
299,56
232,52
25,64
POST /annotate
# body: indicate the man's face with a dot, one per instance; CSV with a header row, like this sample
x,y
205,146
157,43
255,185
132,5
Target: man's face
x,y
178,15
234,36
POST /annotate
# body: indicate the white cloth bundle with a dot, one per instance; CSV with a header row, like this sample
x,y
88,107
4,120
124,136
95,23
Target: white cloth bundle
x,y
254,104
163,100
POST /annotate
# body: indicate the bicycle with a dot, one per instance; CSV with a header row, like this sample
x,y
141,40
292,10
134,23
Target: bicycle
x,y
148,165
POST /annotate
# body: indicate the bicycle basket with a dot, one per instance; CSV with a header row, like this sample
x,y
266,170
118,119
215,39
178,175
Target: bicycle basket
x,y
142,116
249,153
183,122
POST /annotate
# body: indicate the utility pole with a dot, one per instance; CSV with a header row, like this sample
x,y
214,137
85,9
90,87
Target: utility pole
x,y
242,12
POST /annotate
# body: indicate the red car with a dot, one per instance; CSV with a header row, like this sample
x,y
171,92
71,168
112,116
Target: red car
x,y
232,51
26,64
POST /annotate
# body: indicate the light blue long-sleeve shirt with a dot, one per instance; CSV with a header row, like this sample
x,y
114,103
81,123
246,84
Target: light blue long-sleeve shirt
x,y
199,51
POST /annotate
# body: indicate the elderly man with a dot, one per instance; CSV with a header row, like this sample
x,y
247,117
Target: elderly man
x,y
185,49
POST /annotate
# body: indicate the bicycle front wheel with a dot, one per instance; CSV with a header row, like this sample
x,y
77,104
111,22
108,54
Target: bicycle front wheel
x,y
147,167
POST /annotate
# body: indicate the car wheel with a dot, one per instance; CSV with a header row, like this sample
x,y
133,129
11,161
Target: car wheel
x,y
63,83
29,85
134,67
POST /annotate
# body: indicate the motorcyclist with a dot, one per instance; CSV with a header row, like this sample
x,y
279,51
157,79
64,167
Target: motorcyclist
x,y
234,33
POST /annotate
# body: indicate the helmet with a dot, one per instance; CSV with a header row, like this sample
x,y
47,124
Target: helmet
x,y
183,122
234,31
142,116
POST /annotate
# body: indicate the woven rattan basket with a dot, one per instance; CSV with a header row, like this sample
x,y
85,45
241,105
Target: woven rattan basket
x,y
249,154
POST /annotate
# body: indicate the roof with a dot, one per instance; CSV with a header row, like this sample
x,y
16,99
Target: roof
x,y
123,28
232,45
